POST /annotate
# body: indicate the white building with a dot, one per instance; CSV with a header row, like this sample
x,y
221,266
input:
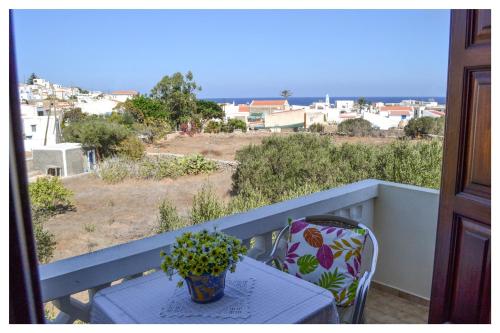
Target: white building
x,y
123,95
96,106
344,105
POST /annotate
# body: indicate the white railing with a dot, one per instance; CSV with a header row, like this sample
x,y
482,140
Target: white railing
x,y
94,271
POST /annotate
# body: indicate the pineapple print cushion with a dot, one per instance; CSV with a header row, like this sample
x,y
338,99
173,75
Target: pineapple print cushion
x,y
327,256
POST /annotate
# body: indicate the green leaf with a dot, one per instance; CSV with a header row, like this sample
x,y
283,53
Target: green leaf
x,y
331,281
307,264
351,291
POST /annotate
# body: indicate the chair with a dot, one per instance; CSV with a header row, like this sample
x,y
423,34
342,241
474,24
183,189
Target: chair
x,y
354,313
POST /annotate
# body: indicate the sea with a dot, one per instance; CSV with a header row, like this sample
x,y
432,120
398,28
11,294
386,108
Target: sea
x,y
310,100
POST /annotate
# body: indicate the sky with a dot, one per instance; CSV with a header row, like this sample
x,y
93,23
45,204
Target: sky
x,y
239,53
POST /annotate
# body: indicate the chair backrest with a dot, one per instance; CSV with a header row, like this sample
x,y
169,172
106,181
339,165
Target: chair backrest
x,y
369,256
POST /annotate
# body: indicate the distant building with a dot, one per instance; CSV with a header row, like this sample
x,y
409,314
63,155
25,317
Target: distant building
x,y
269,106
397,112
344,105
96,106
123,95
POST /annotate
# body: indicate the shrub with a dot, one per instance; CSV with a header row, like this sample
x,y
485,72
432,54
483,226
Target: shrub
x,y
234,124
317,128
168,218
45,243
114,170
284,167
418,127
411,163
206,205
243,203
213,127
49,194
44,239
132,147
97,133
196,164
355,127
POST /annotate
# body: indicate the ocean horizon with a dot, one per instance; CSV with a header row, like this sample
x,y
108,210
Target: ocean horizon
x,y
310,100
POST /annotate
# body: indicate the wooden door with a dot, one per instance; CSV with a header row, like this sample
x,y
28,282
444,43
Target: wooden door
x,y
461,283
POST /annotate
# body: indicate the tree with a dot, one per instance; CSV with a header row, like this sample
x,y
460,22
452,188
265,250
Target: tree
x,y
82,91
177,92
143,108
234,124
362,102
286,93
97,133
355,127
209,110
72,116
418,127
31,78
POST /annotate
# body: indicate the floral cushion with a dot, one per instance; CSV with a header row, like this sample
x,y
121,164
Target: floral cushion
x,y
327,256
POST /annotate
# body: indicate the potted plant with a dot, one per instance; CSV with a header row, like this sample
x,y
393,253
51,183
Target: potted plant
x,y
202,260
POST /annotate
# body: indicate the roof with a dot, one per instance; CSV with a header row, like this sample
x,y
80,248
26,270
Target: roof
x,y
124,92
269,102
243,108
348,115
437,113
396,108
400,113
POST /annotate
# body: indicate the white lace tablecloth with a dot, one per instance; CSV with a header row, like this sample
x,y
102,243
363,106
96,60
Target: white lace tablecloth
x,y
255,293
234,304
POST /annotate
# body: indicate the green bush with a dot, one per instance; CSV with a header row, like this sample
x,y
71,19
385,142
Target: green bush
x,y
298,164
49,194
418,127
158,168
98,133
236,124
168,218
411,163
44,239
132,147
317,128
213,127
355,127
206,205
196,164
114,170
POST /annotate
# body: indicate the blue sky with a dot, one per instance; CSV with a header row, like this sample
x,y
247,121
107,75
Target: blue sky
x,y
240,53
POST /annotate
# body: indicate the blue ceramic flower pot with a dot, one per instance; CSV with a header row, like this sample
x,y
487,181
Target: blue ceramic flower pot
x,y
206,288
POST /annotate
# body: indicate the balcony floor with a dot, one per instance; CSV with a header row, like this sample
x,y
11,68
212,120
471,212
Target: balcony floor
x,y
383,307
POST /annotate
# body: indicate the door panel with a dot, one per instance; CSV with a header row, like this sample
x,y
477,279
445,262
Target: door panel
x,y
461,283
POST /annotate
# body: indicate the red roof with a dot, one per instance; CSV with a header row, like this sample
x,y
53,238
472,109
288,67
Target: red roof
x,y
396,108
124,92
269,102
243,108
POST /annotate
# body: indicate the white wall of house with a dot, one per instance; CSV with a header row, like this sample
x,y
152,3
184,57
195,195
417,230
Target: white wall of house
x,y
34,128
344,104
381,121
405,218
98,107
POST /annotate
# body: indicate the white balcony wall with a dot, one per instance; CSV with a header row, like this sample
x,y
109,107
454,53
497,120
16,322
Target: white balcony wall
x,y
402,217
405,222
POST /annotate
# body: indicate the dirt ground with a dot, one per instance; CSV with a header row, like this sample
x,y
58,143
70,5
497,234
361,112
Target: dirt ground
x,y
224,146
113,214
108,214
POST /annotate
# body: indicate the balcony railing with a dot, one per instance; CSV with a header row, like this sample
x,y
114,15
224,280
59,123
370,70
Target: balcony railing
x,y
403,218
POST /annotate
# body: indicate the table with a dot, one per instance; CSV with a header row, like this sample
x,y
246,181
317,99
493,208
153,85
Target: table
x,y
277,297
